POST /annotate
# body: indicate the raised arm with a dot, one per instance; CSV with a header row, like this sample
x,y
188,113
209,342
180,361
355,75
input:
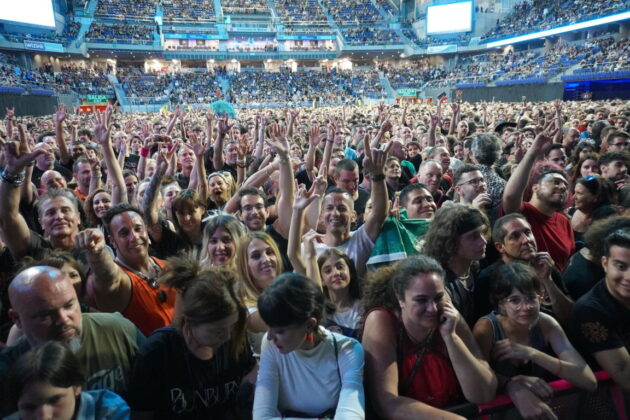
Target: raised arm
x,y
60,116
515,187
279,142
13,227
302,199
101,133
110,285
222,128
26,189
314,139
149,206
373,164
199,148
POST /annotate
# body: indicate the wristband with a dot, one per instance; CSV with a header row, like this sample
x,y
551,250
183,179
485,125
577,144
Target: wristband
x,y
144,152
378,177
13,179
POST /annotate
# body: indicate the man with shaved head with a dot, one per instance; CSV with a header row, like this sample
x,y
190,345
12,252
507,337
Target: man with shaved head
x,y
45,307
52,180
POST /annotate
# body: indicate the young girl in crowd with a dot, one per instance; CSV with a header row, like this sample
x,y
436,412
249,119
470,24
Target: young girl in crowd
x,y
46,382
205,353
305,370
420,355
521,343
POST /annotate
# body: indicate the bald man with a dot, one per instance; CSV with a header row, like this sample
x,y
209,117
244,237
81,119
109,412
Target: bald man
x,y
45,307
52,180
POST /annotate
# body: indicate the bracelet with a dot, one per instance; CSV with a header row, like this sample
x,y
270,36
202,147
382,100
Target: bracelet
x,y
378,177
241,165
13,179
240,161
144,152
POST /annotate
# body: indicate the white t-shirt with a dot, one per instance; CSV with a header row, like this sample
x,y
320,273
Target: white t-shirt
x,y
358,248
307,381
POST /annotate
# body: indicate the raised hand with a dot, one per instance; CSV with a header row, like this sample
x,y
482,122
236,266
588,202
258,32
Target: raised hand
x,y
90,240
544,137
309,239
320,183
10,113
374,160
197,146
60,114
244,146
101,129
223,125
18,154
314,136
303,198
277,139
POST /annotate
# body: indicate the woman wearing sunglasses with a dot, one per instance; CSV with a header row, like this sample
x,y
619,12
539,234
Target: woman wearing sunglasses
x,y
525,347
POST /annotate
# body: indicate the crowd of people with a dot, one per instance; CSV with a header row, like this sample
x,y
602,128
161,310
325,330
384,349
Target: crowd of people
x,y
366,35
195,11
144,88
126,9
69,33
332,262
120,32
353,12
300,13
533,15
245,6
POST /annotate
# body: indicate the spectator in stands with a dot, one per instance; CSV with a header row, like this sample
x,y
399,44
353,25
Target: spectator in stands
x,y
457,239
614,167
52,180
590,193
471,188
411,321
417,201
221,235
205,352
551,228
430,174
618,141
600,316
105,344
513,238
486,149
127,284
297,349
48,380
521,343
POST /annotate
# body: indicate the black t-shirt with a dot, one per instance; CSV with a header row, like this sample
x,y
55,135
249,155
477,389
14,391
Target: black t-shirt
x,y
580,275
600,322
283,246
37,173
131,162
463,298
170,381
172,243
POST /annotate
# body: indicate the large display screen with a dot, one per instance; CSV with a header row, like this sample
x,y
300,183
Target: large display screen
x,y
29,12
449,18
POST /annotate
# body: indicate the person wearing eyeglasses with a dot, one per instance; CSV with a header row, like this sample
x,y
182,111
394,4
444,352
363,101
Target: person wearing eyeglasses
x,y
513,238
525,347
618,141
471,188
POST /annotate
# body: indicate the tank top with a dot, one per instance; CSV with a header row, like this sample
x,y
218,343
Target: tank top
x,y
434,381
509,369
150,307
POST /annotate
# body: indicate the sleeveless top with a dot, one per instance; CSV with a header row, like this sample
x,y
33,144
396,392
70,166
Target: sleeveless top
x,y
434,381
509,369
150,307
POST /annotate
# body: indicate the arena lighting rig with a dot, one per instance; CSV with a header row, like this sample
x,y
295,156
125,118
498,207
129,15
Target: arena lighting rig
x,y
562,29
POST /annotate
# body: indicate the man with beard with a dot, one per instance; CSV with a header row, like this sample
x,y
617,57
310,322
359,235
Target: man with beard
x,y
614,166
45,307
127,284
514,240
551,228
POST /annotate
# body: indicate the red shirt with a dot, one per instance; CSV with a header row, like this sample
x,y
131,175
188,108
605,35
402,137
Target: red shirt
x,y
553,233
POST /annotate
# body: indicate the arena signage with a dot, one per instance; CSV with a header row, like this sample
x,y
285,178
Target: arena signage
x,y
43,46
96,99
406,92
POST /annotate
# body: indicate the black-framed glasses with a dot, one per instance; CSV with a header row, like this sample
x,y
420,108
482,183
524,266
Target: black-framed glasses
x,y
517,302
474,182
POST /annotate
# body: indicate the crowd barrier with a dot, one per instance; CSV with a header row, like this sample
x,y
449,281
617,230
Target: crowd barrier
x,y
608,402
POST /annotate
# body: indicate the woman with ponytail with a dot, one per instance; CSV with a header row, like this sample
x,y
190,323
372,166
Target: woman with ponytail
x,y
202,367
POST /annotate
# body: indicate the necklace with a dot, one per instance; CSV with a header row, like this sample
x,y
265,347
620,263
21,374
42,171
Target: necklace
x,y
151,280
